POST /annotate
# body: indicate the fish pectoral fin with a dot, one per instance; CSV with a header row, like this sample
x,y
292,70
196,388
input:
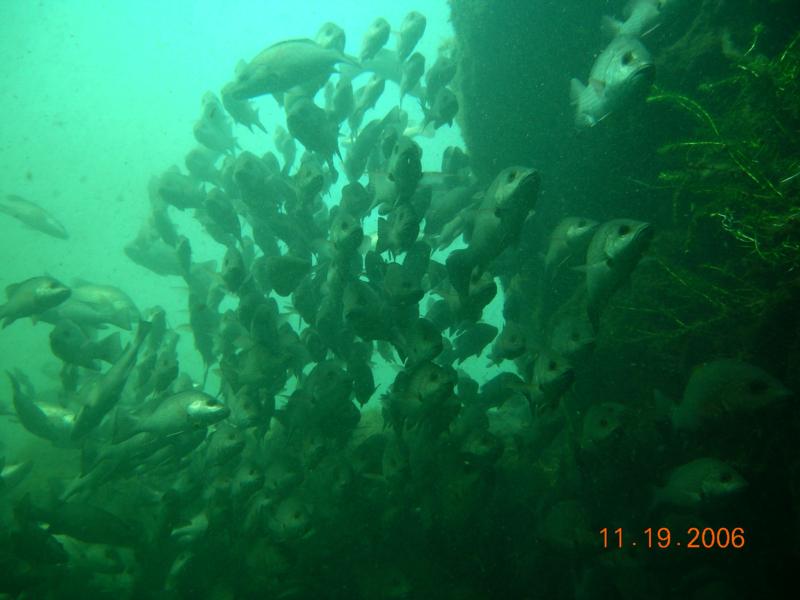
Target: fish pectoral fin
x,y
598,85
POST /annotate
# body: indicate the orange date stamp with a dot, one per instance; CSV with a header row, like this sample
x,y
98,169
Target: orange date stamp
x,y
718,538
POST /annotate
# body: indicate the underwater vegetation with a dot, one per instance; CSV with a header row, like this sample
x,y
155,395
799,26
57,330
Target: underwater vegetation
x,y
742,160
725,273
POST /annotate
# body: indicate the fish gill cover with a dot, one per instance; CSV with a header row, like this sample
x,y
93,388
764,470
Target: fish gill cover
x,y
385,309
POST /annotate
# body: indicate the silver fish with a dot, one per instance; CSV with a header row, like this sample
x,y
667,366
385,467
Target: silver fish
x,y
33,216
283,66
622,71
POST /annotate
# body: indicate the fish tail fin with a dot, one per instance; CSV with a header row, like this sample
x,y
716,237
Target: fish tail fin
x,y
109,348
352,60
125,425
142,331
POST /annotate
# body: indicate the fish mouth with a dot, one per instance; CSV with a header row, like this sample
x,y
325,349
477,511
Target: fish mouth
x,y
644,75
644,234
529,182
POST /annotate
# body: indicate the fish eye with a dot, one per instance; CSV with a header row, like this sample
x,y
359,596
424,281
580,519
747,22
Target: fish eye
x,y
552,365
725,477
603,422
757,386
581,223
627,58
624,230
344,226
213,402
512,176
434,376
296,514
574,336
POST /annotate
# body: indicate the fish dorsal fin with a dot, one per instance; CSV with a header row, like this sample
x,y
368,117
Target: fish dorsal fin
x,y
240,66
11,289
296,41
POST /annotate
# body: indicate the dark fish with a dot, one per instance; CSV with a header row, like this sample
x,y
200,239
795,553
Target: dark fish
x,y
613,253
375,38
443,109
99,396
411,30
413,69
71,344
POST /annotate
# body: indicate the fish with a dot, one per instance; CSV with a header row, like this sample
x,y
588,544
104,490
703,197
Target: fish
x,y
359,152
50,422
32,216
313,127
12,474
613,253
365,98
355,201
603,423
621,73
442,110
445,207
572,336
569,238
641,17
223,444
285,272
399,230
413,69
473,340
510,344
241,111
552,375
405,166
375,38
497,224
420,342
177,189
100,395
421,393
724,389
71,344
117,307
32,297
331,37
200,163
284,143
149,251
179,413
213,129
82,521
343,101
699,483
283,66
439,76
411,31
233,272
